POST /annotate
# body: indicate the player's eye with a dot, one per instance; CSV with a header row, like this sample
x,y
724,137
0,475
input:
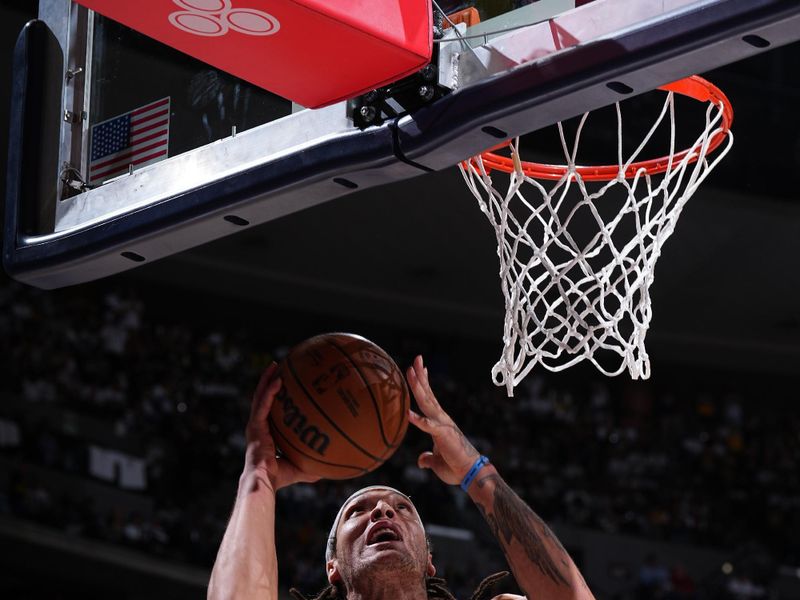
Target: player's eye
x,y
403,505
354,510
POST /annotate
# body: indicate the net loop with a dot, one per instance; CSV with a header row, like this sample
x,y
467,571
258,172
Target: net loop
x,y
576,274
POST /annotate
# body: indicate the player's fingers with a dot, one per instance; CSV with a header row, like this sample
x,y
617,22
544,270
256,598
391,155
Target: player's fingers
x,y
268,386
419,392
434,462
426,424
427,460
422,394
263,382
415,385
419,364
269,397
421,371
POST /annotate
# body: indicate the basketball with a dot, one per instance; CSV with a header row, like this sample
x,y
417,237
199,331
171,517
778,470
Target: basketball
x,y
342,410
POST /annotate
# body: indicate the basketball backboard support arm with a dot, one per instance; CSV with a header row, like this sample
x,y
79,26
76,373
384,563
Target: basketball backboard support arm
x,y
313,156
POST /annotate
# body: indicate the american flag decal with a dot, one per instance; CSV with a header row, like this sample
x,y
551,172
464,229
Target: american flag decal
x,y
139,137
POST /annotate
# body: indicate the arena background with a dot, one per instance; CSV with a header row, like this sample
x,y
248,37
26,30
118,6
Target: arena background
x,y
123,401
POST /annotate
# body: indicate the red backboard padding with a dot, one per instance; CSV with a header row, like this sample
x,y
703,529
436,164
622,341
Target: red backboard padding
x,y
314,52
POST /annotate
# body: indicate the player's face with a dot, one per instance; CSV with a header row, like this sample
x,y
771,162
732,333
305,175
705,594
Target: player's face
x,y
379,530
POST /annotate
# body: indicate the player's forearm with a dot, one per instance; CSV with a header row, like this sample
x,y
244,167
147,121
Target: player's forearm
x,y
540,564
246,565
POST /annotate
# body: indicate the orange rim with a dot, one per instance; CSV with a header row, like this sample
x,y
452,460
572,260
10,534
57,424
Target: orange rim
x,y
693,87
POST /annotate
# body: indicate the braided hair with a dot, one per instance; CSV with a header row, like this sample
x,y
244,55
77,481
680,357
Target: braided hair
x,y
436,588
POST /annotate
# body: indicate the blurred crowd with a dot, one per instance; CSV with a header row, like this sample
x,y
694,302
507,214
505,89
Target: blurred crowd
x,y
98,391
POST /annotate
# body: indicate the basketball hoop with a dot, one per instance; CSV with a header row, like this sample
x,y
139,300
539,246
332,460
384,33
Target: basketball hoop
x,y
569,299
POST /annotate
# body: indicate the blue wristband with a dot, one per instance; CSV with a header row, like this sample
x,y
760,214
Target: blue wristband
x,y
479,464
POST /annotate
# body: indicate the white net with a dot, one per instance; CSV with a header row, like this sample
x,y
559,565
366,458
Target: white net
x,y
576,268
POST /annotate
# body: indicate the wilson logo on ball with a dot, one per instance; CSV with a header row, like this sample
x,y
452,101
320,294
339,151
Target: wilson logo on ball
x,y
295,420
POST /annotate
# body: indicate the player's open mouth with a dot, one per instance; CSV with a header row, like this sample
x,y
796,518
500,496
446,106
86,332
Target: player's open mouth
x,y
383,533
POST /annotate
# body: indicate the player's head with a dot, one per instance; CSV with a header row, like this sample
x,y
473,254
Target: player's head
x,y
377,530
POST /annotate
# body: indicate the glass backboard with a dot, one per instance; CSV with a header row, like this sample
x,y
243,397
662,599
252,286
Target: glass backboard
x,y
124,150
192,103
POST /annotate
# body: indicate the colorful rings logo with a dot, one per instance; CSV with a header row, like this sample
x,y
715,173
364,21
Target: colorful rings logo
x,y
213,18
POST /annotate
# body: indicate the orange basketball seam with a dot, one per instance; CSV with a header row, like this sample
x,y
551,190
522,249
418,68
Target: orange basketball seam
x,y
277,431
406,400
406,395
378,414
320,411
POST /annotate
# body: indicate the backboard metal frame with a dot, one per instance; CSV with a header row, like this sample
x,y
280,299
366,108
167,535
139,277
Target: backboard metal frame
x,y
507,85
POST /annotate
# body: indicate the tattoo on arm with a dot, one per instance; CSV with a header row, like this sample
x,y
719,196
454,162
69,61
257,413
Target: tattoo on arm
x,y
511,518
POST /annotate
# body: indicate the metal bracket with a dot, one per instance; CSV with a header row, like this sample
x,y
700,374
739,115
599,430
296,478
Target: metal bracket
x,y
397,99
72,73
74,117
73,181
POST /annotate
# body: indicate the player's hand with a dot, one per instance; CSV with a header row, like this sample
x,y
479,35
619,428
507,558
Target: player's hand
x,y
261,454
452,455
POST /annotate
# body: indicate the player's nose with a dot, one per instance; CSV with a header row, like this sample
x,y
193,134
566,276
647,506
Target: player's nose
x,y
382,510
